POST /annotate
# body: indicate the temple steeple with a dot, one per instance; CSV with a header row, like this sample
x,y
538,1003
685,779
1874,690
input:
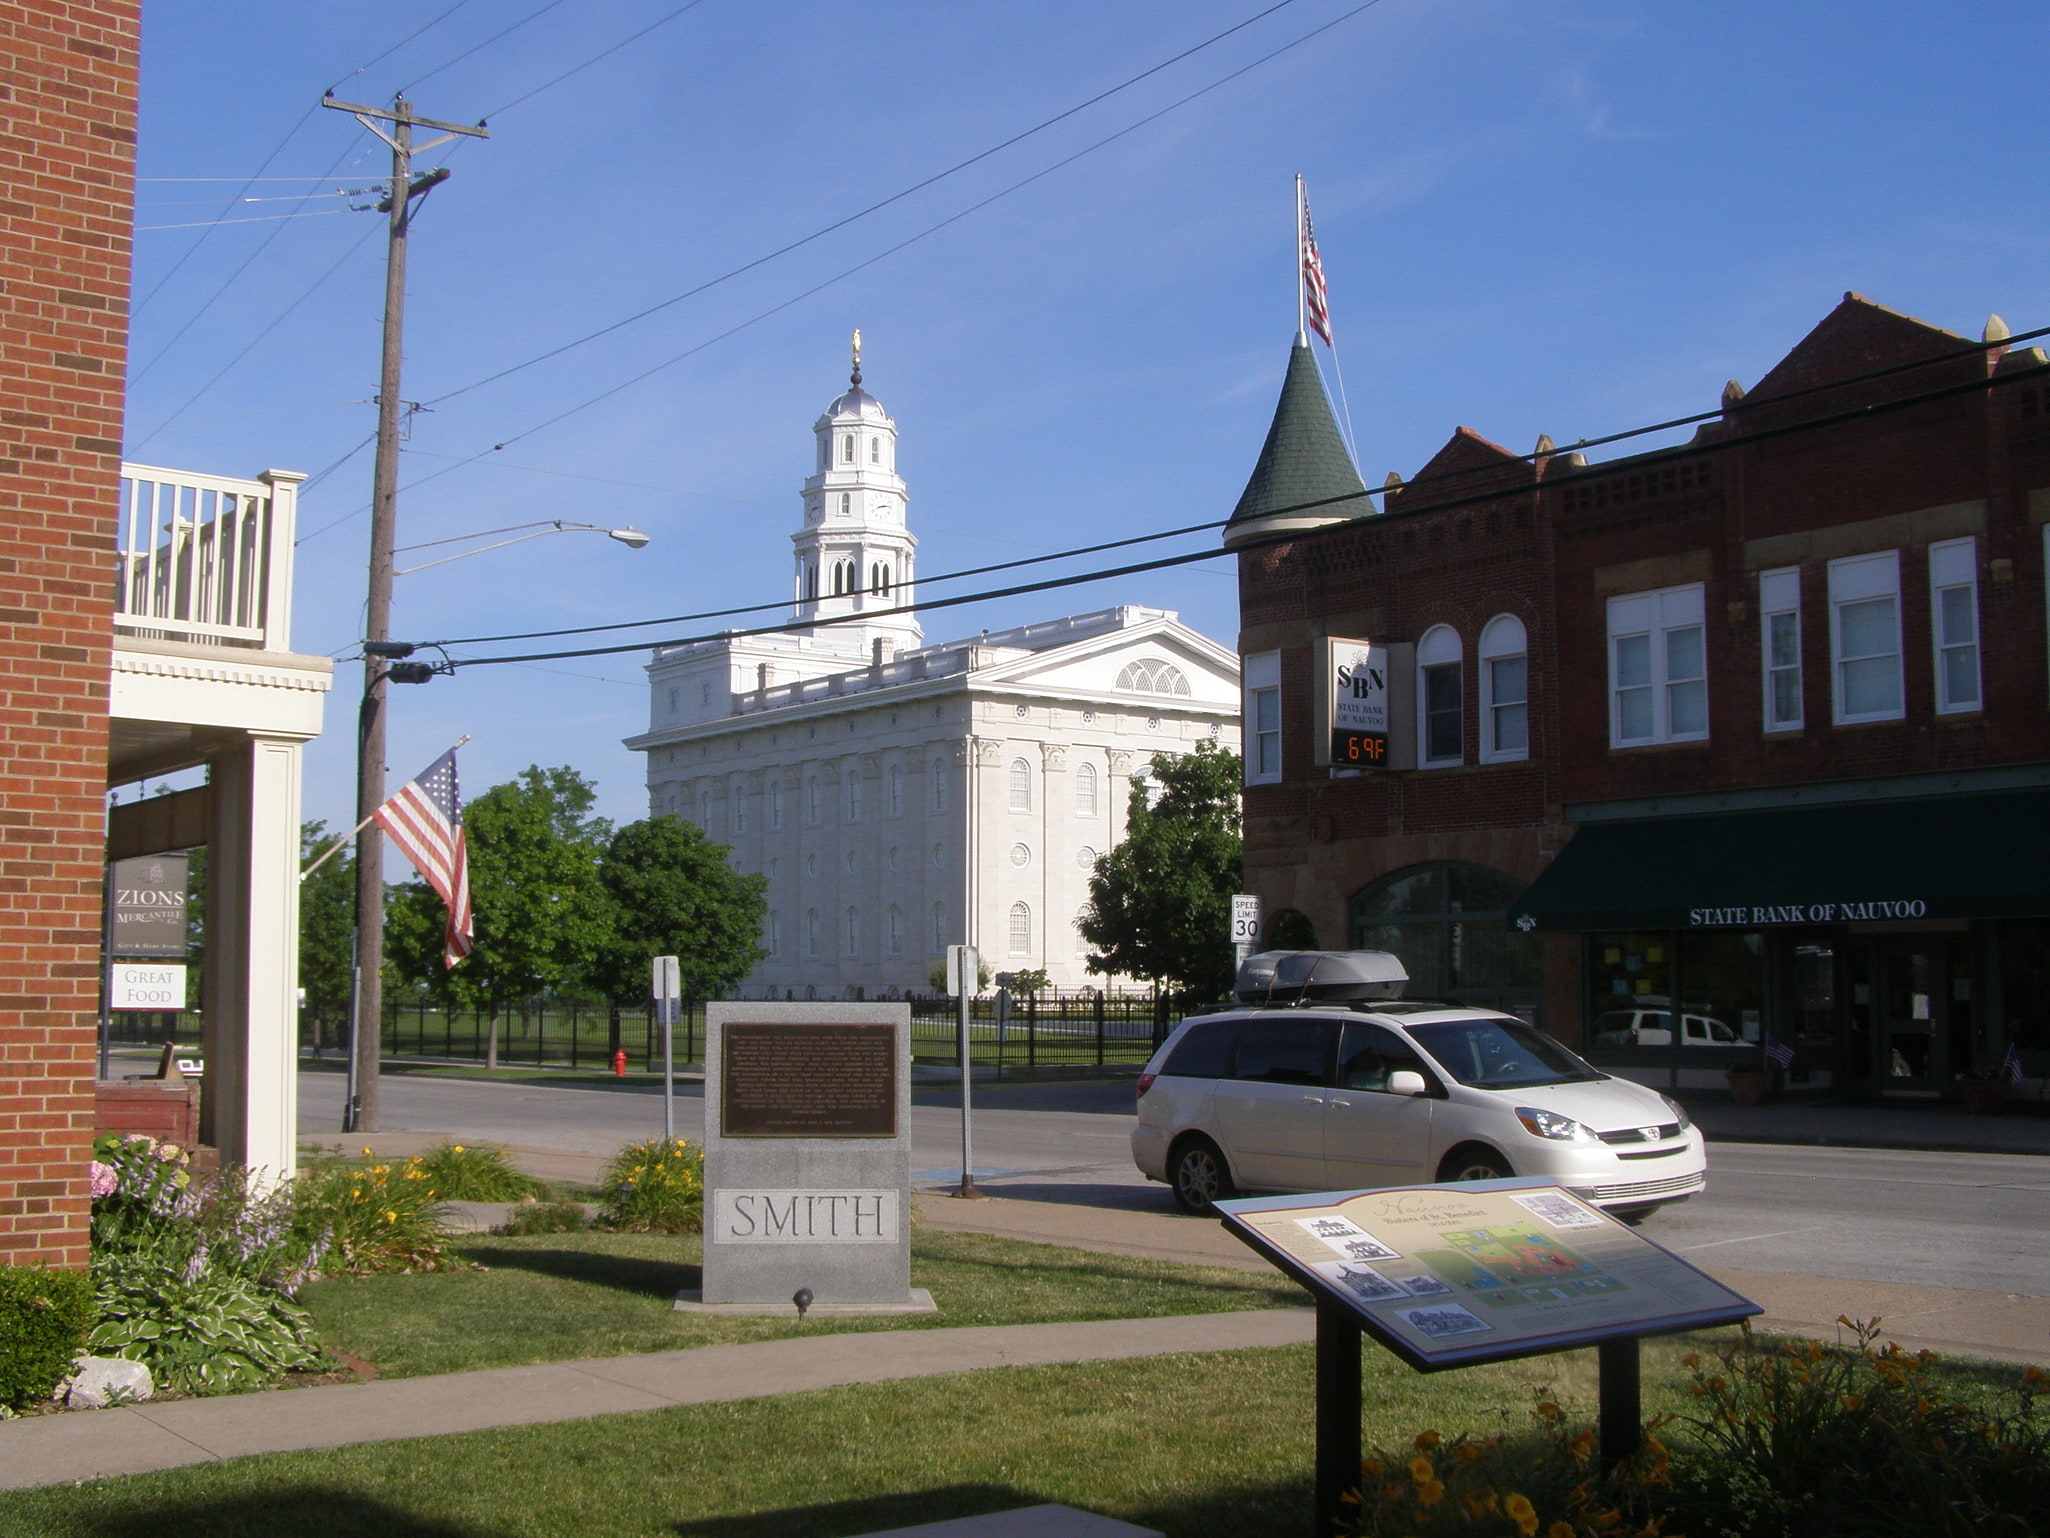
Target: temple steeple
x,y
854,553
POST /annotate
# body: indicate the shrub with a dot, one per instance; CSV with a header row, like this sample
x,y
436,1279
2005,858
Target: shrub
x,y
656,1187
379,1216
198,1328
44,1318
464,1174
546,1218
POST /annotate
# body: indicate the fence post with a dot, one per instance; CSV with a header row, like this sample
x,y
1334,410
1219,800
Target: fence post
x,y
1031,1030
572,1033
611,1028
541,1035
1099,1026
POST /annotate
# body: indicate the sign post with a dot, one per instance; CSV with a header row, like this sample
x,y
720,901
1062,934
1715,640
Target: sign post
x,y
1245,927
668,990
1477,1271
963,967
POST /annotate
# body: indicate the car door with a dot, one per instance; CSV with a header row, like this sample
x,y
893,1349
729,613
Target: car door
x,y
1270,1111
1373,1137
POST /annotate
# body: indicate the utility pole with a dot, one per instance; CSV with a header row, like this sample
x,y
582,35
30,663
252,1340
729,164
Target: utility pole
x,y
367,1013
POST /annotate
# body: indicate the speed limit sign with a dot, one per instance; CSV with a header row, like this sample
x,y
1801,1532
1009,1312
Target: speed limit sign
x,y
1245,920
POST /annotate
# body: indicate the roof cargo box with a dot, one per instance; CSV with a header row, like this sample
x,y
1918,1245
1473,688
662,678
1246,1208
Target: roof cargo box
x,y
1286,977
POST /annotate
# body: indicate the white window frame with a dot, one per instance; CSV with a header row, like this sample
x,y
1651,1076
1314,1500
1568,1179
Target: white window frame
x,y
774,933
776,805
940,770
1260,682
1019,929
1503,639
854,795
1438,647
1863,579
1659,618
811,801
1779,598
939,929
895,929
1020,787
1086,792
896,783
1954,568
811,931
853,930
739,798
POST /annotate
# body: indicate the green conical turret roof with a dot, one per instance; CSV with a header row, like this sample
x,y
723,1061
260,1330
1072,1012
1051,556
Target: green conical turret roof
x,y
1304,459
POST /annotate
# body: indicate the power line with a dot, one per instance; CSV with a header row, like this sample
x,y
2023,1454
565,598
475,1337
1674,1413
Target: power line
x,y
477,48
1443,504
395,47
890,251
207,224
839,224
664,21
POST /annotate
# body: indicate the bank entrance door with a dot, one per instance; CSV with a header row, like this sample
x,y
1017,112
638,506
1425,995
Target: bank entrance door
x,y
1917,994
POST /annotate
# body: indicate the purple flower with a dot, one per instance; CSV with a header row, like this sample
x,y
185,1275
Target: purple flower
x,y
104,1181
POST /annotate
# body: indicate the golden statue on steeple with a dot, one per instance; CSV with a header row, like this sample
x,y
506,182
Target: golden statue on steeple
x,y
855,378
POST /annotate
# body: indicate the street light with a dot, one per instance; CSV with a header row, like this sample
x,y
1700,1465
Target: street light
x,y
382,665
633,539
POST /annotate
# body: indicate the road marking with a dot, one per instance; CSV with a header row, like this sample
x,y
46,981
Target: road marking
x,y
1751,1238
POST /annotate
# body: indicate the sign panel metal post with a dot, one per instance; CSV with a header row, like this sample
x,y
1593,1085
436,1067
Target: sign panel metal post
x,y
1621,1392
1338,1411
963,968
668,990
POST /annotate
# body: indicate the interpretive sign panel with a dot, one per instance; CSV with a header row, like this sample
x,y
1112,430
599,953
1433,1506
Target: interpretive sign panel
x,y
783,1078
807,1153
1482,1271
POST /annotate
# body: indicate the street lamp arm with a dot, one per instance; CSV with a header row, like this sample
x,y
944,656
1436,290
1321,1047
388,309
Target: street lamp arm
x,y
633,539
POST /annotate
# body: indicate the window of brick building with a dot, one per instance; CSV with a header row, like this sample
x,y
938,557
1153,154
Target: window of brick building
x,y
1441,737
1865,637
1779,643
1505,686
1954,617
1658,667
1262,685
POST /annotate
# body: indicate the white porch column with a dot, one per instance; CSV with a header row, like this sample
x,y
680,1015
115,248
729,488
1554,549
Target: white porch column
x,y
249,1107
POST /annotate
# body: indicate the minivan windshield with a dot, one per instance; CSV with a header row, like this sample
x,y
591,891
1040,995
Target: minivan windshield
x,y
1500,1054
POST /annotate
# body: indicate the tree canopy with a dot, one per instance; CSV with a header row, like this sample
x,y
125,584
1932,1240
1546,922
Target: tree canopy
x,y
1160,902
327,921
674,894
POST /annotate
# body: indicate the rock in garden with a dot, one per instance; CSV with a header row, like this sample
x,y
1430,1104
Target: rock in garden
x,y
108,1380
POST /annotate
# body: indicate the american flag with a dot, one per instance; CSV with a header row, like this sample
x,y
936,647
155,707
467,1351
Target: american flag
x,y
425,819
1316,303
1779,1051
2011,1065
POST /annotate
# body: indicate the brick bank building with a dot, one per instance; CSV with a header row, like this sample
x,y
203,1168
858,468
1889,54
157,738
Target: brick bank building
x,y
1745,737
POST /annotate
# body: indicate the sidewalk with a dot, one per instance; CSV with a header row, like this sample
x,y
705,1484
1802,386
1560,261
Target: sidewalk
x,y
1931,1126
136,1439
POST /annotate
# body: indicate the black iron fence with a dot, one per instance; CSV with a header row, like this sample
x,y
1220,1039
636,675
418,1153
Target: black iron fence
x,y
1082,1028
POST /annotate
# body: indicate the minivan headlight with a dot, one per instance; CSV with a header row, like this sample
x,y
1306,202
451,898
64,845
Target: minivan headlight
x,y
1550,1124
1679,1112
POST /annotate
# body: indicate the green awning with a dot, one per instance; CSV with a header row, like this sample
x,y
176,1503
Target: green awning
x,y
1939,857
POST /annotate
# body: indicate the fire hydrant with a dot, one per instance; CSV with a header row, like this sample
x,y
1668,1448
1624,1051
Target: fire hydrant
x,y
619,1063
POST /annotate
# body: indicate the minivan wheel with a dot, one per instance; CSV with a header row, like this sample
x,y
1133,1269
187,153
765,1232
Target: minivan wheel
x,y
1199,1176
1474,1164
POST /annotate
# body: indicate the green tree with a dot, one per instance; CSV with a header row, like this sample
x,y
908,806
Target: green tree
x,y
674,894
541,913
1160,902
327,922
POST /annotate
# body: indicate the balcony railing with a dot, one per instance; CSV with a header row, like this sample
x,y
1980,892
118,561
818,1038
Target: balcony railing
x,y
206,559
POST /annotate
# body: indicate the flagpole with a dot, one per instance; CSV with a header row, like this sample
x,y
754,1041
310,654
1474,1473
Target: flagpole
x,y
329,852
1302,323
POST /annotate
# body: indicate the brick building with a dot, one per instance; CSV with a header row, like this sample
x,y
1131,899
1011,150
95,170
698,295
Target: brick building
x,y
1740,740
68,100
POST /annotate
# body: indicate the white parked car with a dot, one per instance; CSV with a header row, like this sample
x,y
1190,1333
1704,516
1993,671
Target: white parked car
x,y
1654,1028
1322,1082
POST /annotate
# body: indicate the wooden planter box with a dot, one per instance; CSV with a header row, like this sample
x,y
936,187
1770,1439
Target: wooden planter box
x,y
159,1108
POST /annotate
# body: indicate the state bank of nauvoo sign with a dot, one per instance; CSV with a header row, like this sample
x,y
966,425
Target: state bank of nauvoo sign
x,y
1806,913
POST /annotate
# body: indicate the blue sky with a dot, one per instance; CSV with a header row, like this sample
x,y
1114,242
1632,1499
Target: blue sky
x,y
1535,217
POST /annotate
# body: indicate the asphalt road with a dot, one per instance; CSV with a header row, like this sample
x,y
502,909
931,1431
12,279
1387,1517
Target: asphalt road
x,y
1975,1221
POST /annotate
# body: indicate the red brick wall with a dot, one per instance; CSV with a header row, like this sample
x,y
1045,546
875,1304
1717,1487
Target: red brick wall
x,y
67,160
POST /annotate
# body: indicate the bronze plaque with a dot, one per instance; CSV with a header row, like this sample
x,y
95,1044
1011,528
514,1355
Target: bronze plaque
x,y
807,1080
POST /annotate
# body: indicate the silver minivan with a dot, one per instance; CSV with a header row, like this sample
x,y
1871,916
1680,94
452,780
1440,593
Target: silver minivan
x,y
1303,1091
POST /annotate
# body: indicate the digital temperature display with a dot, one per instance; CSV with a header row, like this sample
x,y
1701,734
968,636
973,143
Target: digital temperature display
x,y
1364,750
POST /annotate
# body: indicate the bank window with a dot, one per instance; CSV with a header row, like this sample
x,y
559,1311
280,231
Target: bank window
x,y
1954,616
1440,711
1779,643
1505,690
1686,990
1865,637
1262,683
1658,667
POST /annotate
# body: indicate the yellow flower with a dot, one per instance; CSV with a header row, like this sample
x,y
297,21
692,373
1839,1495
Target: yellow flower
x,y
1559,1530
1426,1441
390,1216
1430,1492
1370,1468
456,1148
1420,1470
1522,1513
1468,1452
1549,1410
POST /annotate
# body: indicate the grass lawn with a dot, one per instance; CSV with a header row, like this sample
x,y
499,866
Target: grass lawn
x,y
553,1297
1203,1446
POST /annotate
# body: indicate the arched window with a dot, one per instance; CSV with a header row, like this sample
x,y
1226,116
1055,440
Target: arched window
x,y
1081,945
847,449
846,504
896,930
879,578
811,931
811,801
837,569
1505,690
772,935
740,809
1147,676
1440,705
1021,785
896,802
939,929
775,803
811,580
854,931
705,811
1085,790
854,795
1446,923
875,451
939,784
1021,930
